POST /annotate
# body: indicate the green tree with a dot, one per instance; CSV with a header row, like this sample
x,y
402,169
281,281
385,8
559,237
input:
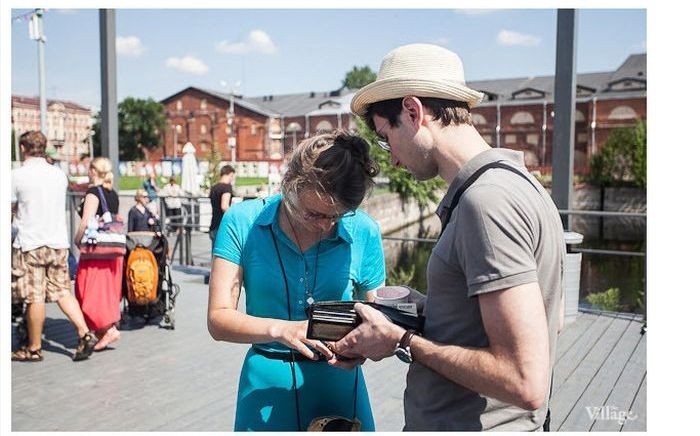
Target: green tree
x,y
214,159
400,180
359,77
141,123
623,158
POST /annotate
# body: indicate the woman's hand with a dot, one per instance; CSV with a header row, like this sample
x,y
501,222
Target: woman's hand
x,y
293,335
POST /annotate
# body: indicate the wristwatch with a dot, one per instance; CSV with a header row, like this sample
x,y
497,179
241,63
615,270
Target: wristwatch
x,y
403,348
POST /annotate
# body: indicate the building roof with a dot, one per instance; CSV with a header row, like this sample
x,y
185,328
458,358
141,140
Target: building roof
x,y
634,67
499,91
34,101
290,105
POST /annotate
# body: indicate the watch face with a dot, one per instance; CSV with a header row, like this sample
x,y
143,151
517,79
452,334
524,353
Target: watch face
x,y
404,355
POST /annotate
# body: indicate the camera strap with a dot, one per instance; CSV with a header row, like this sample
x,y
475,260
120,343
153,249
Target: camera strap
x,y
292,359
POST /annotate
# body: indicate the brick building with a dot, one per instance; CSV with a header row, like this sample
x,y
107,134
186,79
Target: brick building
x,y
516,113
68,124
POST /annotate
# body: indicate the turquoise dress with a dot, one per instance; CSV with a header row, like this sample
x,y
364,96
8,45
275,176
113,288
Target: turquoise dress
x,y
342,267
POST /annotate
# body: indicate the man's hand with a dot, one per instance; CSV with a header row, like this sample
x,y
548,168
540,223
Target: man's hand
x,y
375,338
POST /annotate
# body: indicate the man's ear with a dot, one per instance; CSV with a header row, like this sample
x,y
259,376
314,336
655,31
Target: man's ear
x,y
414,108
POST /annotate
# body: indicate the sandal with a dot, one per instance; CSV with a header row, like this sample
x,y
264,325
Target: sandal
x,y
24,354
86,345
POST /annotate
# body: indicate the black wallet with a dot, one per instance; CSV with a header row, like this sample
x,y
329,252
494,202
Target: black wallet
x,y
331,320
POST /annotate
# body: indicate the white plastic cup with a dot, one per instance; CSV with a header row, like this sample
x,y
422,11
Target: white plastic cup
x,y
392,295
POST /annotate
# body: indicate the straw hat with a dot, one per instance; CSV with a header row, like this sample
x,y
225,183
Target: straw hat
x,y
422,70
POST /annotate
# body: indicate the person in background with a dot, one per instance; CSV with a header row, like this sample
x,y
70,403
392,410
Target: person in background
x,y
309,243
494,298
141,219
151,187
98,284
220,196
172,193
40,249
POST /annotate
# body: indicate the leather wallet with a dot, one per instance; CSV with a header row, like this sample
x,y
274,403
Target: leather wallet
x,y
331,320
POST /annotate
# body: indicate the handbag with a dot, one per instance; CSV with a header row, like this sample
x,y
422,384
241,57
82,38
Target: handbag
x,y
103,238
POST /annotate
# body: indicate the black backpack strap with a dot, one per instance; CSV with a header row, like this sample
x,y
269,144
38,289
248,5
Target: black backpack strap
x,y
455,200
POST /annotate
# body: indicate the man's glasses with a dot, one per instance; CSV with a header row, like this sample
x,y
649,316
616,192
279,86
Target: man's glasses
x,y
381,140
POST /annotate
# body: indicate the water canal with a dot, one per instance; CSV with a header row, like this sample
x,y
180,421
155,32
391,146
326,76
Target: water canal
x,y
406,263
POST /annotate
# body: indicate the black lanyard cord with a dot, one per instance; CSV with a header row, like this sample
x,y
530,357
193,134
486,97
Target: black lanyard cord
x,y
291,352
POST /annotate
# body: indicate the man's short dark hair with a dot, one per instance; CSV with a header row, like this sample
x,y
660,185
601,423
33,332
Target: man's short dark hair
x,y
447,111
34,143
227,169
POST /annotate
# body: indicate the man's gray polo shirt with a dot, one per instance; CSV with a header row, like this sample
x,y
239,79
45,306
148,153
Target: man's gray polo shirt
x,y
503,233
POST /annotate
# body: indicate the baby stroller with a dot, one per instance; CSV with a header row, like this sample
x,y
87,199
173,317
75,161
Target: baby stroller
x,y
163,306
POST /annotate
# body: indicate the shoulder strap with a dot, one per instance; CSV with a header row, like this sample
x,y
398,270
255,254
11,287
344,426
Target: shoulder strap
x,y
103,200
455,200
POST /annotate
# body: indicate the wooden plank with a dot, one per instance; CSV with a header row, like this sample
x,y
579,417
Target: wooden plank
x,y
573,332
602,383
569,361
564,400
637,420
625,388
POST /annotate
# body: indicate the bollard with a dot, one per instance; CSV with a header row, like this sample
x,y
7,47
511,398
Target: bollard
x,y
572,277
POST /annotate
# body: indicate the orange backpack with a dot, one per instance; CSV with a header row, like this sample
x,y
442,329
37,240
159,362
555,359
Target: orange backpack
x,y
142,276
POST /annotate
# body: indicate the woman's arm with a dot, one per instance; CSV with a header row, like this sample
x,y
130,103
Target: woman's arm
x,y
226,323
89,210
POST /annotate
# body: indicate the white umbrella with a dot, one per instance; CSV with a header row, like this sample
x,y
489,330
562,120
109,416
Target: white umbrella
x,y
190,169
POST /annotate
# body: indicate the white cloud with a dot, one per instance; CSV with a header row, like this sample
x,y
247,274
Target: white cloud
x,y
129,46
257,41
509,37
441,41
475,11
187,64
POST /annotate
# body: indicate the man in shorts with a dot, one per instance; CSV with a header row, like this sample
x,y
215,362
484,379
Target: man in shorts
x,y
40,249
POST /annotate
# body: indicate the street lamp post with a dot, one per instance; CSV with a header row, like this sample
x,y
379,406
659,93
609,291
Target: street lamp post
x,y
230,120
36,32
176,129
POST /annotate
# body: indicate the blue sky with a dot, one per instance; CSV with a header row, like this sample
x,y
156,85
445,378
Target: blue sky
x,y
277,51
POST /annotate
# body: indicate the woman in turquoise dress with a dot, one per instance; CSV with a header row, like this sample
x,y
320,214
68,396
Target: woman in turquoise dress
x,y
309,243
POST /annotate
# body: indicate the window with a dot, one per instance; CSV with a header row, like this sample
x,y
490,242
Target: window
x,y
203,104
253,129
582,137
622,113
478,119
580,117
203,129
324,126
178,105
532,138
488,139
522,117
510,139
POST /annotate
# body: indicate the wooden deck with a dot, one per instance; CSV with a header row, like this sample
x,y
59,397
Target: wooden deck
x,y
182,380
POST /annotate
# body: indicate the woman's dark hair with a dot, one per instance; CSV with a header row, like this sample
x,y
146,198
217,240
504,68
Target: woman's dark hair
x,y
447,111
336,164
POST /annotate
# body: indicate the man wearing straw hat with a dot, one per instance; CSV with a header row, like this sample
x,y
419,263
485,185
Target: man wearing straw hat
x,y
493,306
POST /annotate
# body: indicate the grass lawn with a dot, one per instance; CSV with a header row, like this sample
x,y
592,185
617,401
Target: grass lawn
x,y
130,183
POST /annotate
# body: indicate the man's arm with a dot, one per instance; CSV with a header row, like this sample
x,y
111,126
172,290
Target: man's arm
x,y
225,201
514,368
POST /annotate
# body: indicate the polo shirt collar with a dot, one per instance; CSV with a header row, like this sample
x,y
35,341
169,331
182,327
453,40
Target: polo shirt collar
x,y
268,217
513,157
